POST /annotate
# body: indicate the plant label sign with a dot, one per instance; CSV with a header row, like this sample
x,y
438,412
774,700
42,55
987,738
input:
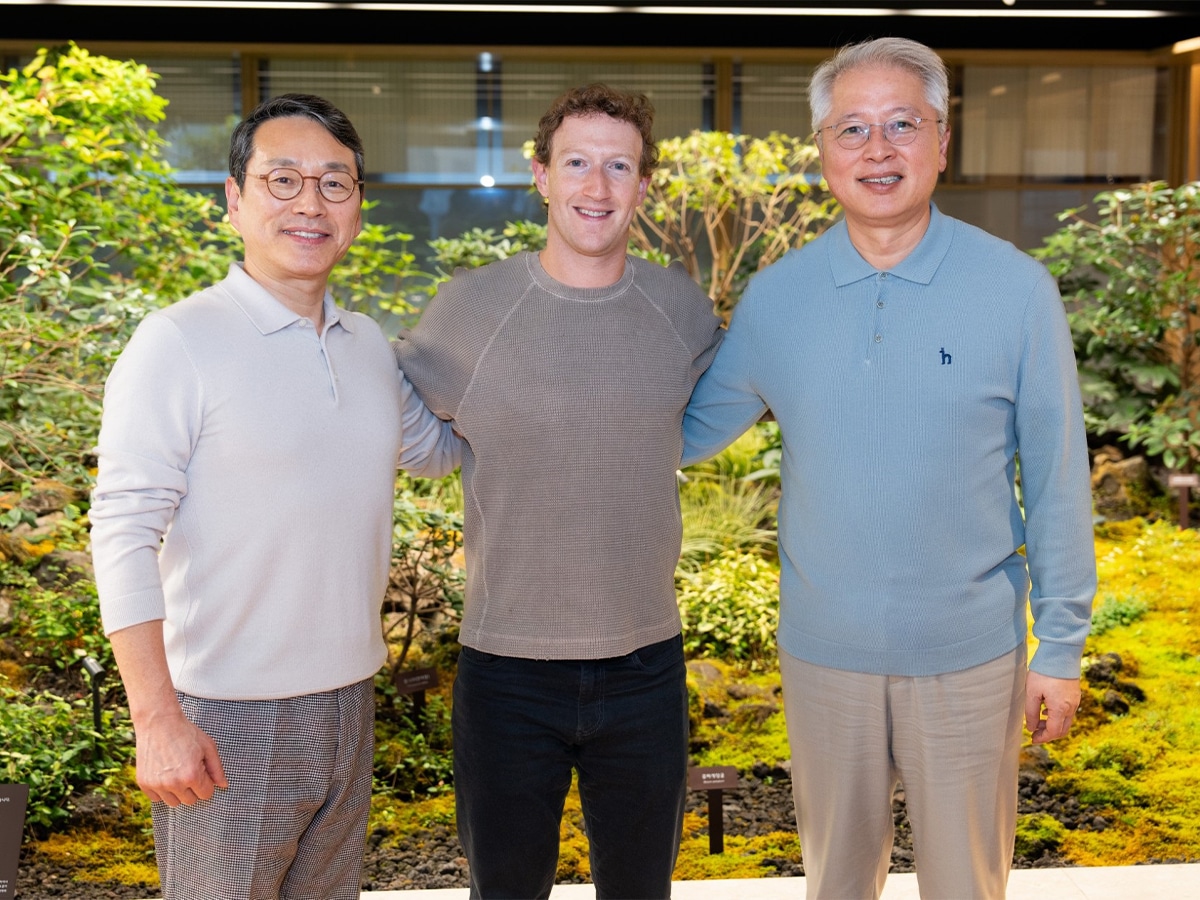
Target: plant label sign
x,y
416,680
13,799
712,778
1179,480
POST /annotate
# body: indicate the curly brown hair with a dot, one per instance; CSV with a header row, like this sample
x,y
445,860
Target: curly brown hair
x,y
600,99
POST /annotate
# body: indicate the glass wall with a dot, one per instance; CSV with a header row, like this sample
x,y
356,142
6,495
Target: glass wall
x,y
445,137
1050,123
204,97
771,97
416,118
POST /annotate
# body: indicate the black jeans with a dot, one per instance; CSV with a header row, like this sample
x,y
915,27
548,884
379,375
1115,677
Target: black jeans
x,y
522,725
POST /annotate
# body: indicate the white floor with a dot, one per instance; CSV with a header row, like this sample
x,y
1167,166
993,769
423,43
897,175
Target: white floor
x,y
1175,882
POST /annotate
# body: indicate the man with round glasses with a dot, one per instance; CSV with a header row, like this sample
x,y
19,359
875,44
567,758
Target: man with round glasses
x,y
913,363
241,531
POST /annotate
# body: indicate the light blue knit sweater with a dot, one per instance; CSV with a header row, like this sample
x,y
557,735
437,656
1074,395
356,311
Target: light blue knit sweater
x,y
904,398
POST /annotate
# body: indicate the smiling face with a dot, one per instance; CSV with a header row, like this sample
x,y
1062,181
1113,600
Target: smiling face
x,y
593,191
884,189
292,245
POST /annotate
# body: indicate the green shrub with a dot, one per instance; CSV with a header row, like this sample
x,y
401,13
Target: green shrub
x,y
413,758
726,205
725,514
1113,612
426,585
730,608
480,246
93,231
1036,834
1131,279
54,628
49,744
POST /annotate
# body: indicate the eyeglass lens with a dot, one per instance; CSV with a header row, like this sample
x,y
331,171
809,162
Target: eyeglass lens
x,y
900,130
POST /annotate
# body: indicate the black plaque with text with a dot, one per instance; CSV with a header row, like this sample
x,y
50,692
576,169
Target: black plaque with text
x,y
13,799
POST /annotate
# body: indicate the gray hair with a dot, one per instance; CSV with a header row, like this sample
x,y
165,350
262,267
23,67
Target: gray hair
x,y
888,52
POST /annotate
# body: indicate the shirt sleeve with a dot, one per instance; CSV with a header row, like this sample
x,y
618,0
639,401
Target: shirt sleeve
x,y
429,447
724,403
1055,488
150,423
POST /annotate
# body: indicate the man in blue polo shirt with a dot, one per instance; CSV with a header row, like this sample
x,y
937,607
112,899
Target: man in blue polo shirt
x,y
914,364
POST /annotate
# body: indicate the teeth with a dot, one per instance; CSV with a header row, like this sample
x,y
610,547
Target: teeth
x,y
886,179
306,234
594,214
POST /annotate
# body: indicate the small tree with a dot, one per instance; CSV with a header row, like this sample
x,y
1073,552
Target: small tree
x,y
727,205
1131,279
425,589
92,231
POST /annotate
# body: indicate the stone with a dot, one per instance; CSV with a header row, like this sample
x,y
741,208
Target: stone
x,y
1119,486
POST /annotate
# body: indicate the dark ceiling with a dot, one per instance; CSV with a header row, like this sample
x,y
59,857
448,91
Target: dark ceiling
x,y
1087,24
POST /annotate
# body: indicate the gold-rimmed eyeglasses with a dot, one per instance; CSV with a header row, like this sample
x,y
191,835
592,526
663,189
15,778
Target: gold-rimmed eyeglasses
x,y
899,130
286,184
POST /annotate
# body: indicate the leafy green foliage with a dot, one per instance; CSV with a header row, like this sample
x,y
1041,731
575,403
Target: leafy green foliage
x,y
1113,612
730,608
425,589
727,205
49,744
92,232
1131,279
378,273
480,246
1036,834
54,628
413,755
725,513
729,502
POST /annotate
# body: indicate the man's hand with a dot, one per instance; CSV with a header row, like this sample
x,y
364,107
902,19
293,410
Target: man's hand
x,y
1058,698
177,762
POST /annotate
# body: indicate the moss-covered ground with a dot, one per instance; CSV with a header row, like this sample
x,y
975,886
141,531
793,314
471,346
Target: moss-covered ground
x,y
1132,760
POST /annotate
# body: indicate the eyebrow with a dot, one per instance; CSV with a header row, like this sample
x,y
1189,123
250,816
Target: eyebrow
x,y
565,153
894,111
280,162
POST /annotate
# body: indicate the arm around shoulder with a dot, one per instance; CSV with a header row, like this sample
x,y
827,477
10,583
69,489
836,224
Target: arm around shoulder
x,y
724,403
429,446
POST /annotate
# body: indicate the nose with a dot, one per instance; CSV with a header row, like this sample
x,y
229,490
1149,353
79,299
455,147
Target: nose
x,y
309,199
595,182
877,144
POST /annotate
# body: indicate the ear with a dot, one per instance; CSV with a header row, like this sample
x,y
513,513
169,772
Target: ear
x,y
643,184
943,144
540,177
233,199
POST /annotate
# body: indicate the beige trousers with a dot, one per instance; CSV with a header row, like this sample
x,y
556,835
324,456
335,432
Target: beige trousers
x,y
951,740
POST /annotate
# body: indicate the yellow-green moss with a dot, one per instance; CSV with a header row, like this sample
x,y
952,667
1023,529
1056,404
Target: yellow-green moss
x,y
398,819
573,859
742,857
1038,833
755,730
100,856
1139,769
12,673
